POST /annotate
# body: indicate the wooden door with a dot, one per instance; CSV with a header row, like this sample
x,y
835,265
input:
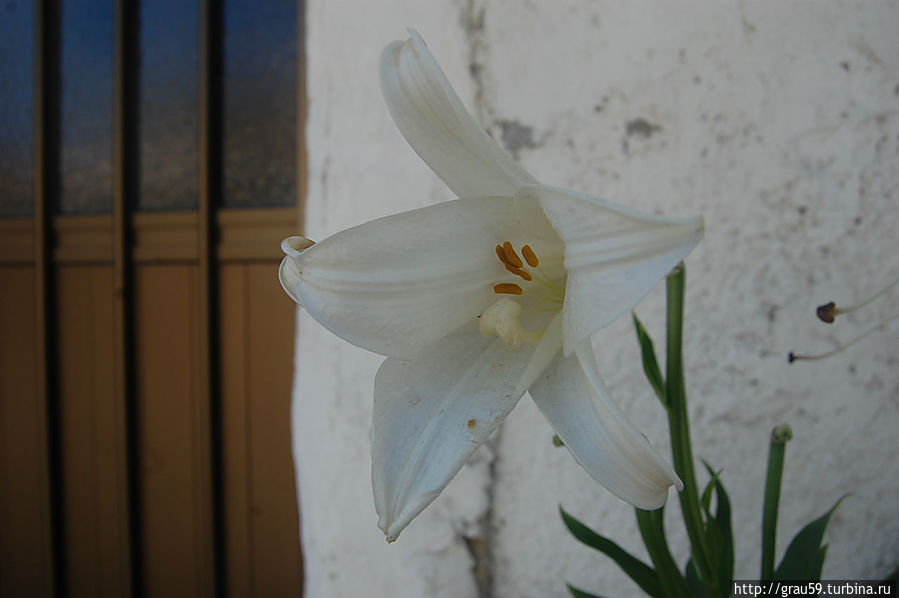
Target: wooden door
x,y
146,348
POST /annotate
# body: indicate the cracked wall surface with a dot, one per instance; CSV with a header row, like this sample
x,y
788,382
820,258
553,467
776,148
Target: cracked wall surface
x,y
779,122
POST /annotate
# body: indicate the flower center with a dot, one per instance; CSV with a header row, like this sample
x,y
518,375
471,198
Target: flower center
x,y
502,317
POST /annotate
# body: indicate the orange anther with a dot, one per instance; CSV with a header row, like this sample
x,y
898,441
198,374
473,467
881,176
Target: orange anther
x,y
518,272
500,254
529,256
507,288
511,257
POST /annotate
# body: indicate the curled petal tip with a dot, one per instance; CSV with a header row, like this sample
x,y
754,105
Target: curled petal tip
x,y
295,245
289,270
414,34
391,530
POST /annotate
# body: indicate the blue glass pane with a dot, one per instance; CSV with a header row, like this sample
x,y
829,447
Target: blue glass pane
x,y
260,103
86,119
16,114
169,38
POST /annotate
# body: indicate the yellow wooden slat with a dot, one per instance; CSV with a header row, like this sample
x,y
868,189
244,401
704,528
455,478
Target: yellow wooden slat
x,y
17,241
25,564
83,240
257,319
173,431
92,443
158,237
165,237
277,560
237,465
254,234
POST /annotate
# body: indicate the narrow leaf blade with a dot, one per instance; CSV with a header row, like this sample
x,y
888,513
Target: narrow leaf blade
x,y
723,528
581,593
642,574
694,584
804,558
652,529
650,363
725,524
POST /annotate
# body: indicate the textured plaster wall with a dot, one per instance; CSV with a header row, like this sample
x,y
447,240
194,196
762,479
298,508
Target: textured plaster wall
x,y
777,121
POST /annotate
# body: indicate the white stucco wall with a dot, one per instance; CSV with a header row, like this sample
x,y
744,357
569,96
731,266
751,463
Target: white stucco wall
x,y
779,122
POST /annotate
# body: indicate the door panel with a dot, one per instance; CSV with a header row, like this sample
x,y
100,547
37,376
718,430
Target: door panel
x,y
173,434
26,567
263,548
92,431
145,346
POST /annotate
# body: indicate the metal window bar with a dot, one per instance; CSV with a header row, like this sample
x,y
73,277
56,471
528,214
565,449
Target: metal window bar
x,y
46,192
124,174
210,192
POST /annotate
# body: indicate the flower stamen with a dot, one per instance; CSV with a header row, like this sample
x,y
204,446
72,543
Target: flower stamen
x,y
791,357
552,293
829,311
500,254
511,257
507,288
519,272
529,256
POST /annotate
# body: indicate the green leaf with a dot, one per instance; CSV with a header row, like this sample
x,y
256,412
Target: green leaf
x,y
642,574
650,363
581,593
652,529
804,558
718,537
723,517
694,584
705,500
724,529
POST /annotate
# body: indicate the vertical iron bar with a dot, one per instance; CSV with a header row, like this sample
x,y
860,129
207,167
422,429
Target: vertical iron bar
x,y
46,193
210,189
125,178
302,161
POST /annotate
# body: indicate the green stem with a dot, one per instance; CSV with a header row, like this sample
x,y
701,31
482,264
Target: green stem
x,y
679,424
779,437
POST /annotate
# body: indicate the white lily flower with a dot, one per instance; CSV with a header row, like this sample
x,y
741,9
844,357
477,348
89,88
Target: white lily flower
x,y
476,301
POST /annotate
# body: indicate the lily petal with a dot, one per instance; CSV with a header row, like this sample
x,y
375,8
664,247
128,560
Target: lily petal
x,y
545,352
431,414
614,255
289,270
439,128
573,397
398,284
